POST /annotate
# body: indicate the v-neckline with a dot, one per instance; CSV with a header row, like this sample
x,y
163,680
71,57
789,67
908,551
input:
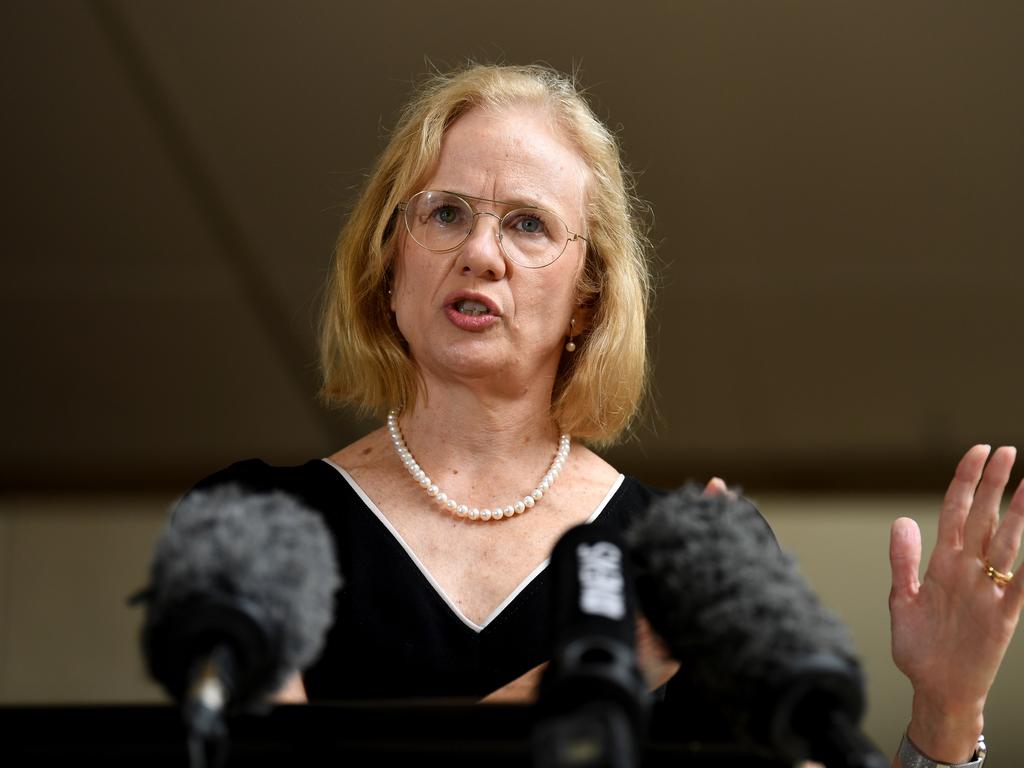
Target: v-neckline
x,y
428,576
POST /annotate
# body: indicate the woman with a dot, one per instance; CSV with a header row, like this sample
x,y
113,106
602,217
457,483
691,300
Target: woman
x,y
488,295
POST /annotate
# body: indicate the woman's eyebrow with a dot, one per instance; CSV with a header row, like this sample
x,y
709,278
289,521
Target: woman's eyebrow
x,y
521,203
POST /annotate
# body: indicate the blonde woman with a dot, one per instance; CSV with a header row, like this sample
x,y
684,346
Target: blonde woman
x,y
488,300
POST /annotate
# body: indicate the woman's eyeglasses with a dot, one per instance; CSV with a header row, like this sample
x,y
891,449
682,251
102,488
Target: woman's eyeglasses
x,y
442,221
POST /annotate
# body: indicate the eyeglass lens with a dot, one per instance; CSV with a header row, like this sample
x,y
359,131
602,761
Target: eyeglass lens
x,y
440,221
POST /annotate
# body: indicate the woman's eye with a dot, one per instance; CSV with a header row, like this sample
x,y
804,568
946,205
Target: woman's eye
x,y
530,225
446,214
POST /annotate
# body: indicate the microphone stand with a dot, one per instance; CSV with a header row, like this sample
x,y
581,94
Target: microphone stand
x,y
203,708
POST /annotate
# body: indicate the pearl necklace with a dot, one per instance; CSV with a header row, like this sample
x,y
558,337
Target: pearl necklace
x,y
461,510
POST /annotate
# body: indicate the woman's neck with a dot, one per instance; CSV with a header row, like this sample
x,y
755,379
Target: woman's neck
x,y
456,425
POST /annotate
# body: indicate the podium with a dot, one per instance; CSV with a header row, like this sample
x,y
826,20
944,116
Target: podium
x,y
337,734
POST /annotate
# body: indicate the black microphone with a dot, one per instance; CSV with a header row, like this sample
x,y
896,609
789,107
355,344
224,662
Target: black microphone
x,y
752,638
241,596
593,701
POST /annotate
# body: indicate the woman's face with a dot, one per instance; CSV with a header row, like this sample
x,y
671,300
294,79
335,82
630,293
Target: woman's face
x,y
471,313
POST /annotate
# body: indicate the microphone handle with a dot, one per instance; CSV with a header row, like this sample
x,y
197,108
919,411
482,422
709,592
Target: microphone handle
x,y
837,742
211,682
210,686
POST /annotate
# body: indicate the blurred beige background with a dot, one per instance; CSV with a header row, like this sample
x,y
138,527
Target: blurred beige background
x,y
837,194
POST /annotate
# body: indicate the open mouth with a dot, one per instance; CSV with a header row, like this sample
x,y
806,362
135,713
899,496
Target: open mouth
x,y
471,308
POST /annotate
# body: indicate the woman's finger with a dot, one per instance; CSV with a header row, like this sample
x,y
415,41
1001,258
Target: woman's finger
x,y
1015,595
1005,544
984,515
959,496
715,487
904,557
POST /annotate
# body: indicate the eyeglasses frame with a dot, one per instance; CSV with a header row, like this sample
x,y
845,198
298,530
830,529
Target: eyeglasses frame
x,y
573,236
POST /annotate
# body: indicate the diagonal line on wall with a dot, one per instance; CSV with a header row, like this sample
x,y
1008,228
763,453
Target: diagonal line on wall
x,y
294,351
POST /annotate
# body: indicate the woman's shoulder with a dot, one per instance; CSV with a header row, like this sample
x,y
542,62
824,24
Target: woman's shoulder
x,y
311,482
257,475
633,497
367,454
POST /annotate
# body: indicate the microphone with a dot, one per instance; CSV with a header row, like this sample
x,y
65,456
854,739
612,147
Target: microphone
x,y
241,595
593,700
752,638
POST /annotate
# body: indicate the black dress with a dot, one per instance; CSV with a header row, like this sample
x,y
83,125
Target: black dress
x,y
396,635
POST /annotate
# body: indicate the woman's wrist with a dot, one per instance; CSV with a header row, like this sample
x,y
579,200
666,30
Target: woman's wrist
x,y
945,734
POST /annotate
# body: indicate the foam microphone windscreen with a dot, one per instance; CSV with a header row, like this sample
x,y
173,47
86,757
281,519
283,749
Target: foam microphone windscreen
x,y
751,636
255,571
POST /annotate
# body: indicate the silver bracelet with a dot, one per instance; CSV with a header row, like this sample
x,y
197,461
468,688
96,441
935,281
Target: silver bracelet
x,y
912,757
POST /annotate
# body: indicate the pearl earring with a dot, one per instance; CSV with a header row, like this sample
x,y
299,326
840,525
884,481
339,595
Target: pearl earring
x,y
570,345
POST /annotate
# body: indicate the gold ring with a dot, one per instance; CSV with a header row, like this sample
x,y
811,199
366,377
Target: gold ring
x,y
999,577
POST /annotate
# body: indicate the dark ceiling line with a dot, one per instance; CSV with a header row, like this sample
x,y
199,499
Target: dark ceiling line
x,y
210,202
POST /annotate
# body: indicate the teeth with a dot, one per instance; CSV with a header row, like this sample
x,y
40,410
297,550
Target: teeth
x,y
471,308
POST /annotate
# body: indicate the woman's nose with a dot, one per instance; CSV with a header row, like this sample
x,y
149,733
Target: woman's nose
x,y
481,254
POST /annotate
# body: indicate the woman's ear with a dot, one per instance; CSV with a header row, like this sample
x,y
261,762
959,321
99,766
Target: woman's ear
x,y
581,318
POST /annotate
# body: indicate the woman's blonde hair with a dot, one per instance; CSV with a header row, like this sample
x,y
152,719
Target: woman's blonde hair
x,y
364,359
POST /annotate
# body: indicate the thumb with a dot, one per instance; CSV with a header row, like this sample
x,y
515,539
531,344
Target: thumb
x,y
904,557
715,487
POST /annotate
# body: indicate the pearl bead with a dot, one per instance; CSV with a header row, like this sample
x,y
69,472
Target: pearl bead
x,y
420,476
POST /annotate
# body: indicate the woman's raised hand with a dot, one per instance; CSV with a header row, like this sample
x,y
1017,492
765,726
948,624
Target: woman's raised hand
x,y
951,629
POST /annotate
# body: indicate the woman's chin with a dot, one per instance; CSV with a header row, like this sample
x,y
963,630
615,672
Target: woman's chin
x,y
477,364
477,367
